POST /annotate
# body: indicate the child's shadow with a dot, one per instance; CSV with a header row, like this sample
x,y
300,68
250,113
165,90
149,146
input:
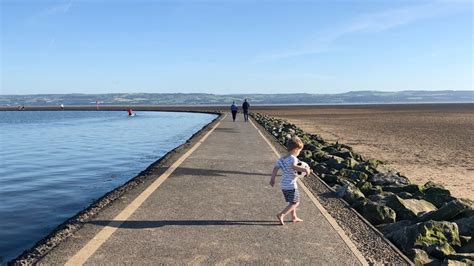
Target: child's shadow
x,y
154,224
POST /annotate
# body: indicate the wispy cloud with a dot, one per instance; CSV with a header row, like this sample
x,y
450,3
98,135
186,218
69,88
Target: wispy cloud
x,y
57,9
368,23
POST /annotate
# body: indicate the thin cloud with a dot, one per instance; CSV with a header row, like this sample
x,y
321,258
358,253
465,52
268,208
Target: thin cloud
x,y
369,23
54,10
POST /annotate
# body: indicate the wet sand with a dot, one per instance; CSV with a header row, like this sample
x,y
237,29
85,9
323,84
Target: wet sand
x,y
424,142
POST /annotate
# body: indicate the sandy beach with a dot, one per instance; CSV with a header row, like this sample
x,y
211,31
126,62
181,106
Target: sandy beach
x,y
424,142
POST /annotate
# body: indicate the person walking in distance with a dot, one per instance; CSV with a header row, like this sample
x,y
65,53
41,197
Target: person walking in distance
x,y
245,107
234,109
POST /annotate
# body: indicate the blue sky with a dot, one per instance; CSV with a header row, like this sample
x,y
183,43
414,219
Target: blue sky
x,y
236,46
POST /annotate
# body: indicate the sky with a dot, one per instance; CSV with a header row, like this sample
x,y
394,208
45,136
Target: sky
x,y
235,46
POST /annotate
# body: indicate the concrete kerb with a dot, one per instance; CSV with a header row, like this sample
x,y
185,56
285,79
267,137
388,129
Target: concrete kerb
x,y
76,222
395,249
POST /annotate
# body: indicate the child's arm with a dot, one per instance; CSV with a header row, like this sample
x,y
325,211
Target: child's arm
x,y
272,179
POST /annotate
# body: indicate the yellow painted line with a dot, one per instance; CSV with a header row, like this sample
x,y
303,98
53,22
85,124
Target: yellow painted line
x,y
323,211
81,257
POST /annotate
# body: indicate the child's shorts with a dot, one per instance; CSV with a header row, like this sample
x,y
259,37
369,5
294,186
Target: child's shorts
x,y
291,195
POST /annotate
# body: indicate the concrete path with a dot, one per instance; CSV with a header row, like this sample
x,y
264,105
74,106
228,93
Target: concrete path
x,y
215,208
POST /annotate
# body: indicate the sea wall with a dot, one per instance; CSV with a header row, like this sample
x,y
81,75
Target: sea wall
x,y
424,221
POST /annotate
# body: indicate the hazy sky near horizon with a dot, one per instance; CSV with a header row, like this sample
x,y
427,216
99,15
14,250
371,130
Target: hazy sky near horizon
x,y
235,46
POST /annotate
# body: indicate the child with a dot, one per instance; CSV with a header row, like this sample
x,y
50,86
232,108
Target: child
x,y
288,182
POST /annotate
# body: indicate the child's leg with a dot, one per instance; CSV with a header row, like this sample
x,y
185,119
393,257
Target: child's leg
x,y
293,214
285,211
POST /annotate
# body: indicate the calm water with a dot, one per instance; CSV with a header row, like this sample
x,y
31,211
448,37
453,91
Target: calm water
x,y
53,164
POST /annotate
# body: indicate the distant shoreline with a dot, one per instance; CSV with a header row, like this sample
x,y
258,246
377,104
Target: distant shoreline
x,y
207,107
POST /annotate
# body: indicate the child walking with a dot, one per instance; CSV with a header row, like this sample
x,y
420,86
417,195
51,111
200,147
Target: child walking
x,y
288,182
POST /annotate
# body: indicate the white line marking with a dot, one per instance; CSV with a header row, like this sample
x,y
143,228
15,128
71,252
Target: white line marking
x,y
99,239
323,211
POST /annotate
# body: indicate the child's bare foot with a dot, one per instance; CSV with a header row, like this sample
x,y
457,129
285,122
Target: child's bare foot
x,y
280,219
296,220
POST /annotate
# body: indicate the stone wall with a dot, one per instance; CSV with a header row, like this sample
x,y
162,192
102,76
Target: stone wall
x,y
424,221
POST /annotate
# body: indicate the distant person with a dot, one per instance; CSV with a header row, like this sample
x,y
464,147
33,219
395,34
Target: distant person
x,y
289,187
234,109
61,106
245,107
130,112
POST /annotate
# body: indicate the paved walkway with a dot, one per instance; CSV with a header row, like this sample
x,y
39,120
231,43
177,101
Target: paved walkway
x,y
215,208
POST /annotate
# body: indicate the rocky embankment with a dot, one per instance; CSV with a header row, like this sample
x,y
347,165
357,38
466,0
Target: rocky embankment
x,y
424,221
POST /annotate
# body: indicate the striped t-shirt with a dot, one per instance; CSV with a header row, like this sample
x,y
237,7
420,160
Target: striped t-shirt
x,y
288,180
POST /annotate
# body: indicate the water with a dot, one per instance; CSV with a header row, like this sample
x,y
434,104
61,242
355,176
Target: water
x,y
54,164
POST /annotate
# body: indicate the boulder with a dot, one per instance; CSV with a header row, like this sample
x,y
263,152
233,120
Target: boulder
x,y
306,155
466,226
451,262
378,214
467,247
446,212
405,195
321,168
436,194
335,162
439,250
349,193
356,176
350,163
408,209
389,228
412,188
331,179
343,153
434,237
388,179
381,197
368,189
467,258
420,257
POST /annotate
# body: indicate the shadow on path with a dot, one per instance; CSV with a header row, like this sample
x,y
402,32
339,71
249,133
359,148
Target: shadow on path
x,y
210,172
154,224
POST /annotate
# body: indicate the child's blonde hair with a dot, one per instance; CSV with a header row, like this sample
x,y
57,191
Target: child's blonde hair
x,y
294,143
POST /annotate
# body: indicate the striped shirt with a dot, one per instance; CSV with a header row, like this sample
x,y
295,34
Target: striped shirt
x,y
288,180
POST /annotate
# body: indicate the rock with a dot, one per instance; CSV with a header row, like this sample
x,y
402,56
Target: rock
x,y
408,209
359,205
321,168
436,194
331,179
421,257
468,247
349,193
356,176
306,155
388,228
350,163
431,236
439,250
412,188
464,239
466,226
405,195
446,212
450,262
381,197
388,179
335,162
378,214
466,258
311,147
343,153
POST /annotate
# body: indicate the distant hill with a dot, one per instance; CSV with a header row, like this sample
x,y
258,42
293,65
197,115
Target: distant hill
x,y
353,97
